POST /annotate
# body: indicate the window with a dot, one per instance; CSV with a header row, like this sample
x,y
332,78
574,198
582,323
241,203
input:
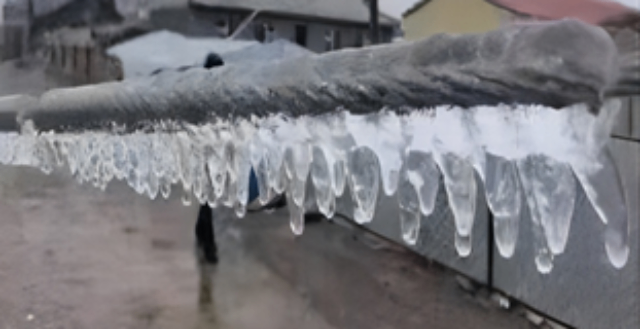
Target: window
x,y
260,33
332,40
301,35
265,32
223,28
337,40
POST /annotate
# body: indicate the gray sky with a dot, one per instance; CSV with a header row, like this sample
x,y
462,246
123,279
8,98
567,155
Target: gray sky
x,y
397,7
631,3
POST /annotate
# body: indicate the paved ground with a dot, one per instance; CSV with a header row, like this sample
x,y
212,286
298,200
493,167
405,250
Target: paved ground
x,y
75,257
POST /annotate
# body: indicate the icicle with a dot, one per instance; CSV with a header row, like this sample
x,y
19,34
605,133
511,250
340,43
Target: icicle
x,y
603,187
382,134
212,163
504,199
544,260
321,178
165,188
409,208
187,198
44,156
120,158
463,245
364,182
340,178
296,216
240,210
425,177
460,184
551,193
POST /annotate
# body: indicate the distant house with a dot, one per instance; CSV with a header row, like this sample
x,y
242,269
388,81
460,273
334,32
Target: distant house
x,y
429,17
15,28
317,25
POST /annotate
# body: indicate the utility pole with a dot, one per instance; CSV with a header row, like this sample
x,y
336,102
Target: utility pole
x,y
374,24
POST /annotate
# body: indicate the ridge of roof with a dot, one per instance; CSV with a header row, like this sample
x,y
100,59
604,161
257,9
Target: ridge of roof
x,y
341,10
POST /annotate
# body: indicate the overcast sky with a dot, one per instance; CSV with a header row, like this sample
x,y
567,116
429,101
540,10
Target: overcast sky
x,y
397,7
631,3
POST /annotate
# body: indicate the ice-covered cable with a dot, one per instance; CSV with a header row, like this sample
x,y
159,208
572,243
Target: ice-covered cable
x,y
525,156
555,64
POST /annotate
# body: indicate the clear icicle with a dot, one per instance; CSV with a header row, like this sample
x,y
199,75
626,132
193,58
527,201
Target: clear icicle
x,y
240,209
212,162
339,178
603,187
544,260
217,173
165,188
383,135
460,184
321,178
364,182
296,216
187,198
425,177
410,214
550,191
463,245
505,201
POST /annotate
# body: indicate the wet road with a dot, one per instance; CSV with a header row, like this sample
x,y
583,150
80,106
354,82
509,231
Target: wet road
x,y
74,257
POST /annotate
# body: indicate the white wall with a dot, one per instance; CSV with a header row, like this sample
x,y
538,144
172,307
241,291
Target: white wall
x,y
286,29
2,11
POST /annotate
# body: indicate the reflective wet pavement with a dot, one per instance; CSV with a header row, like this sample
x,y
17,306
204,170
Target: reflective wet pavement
x,y
72,256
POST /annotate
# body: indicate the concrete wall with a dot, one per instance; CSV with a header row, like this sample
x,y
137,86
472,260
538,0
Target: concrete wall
x,y
2,11
453,16
584,289
628,124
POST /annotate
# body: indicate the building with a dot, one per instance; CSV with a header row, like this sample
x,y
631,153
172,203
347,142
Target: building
x,y
429,17
318,25
15,28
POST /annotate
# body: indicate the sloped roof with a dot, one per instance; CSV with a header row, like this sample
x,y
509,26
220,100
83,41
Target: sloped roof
x,y
164,49
597,12
277,50
341,10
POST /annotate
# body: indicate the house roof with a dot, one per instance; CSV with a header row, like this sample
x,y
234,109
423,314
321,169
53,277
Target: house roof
x,y
164,49
340,10
597,12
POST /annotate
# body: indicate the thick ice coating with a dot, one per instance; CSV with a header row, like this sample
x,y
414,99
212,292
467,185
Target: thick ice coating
x,y
525,156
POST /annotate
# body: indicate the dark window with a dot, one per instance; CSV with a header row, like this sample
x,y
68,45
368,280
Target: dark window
x,y
260,32
360,38
301,35
337,40
332,39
